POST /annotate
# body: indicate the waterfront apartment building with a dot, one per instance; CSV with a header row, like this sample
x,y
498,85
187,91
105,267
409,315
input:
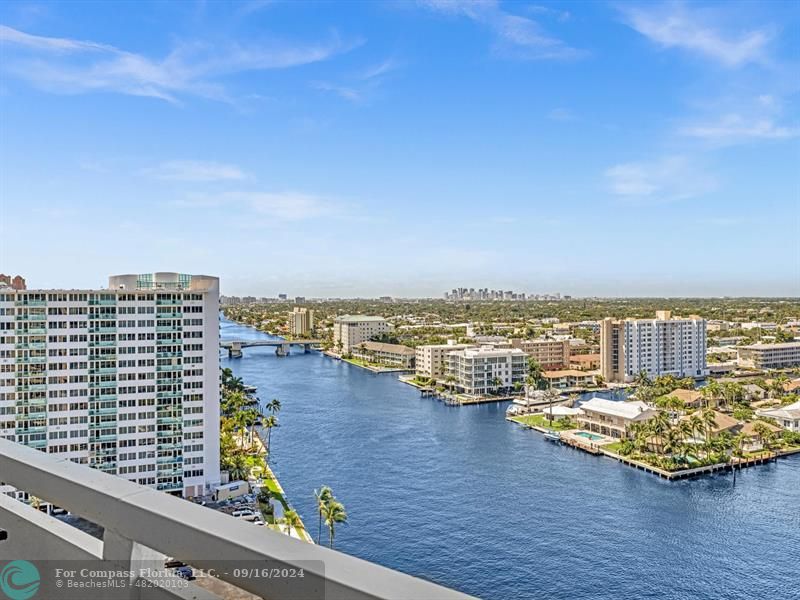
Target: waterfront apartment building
x,y
770,356
301,322
431,360
392,355
550,354
479,371
665,345
351,330
124,379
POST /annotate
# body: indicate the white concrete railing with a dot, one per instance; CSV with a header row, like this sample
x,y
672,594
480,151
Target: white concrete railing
x,y
142,524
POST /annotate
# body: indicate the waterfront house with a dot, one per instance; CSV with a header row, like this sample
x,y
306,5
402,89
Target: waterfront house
x,y
787,417
722,422
612,418
754,392
753,440
690,398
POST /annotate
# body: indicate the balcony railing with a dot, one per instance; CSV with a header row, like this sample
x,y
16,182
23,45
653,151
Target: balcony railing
x,y
142,525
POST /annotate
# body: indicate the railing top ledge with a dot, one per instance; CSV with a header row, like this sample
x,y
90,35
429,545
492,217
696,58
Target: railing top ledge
x,y
198,535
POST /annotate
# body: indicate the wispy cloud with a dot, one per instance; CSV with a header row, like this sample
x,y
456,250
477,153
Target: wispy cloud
x,y
667,179
515,36
195,171
358,86
674,25
68,66
284,206
734,128
740,119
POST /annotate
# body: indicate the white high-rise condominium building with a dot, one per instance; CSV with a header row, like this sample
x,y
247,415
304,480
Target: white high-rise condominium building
x,y
350,330
124,379
487,369
665,345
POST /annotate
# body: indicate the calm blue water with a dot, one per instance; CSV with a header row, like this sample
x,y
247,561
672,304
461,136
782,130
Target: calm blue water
x,y
466,499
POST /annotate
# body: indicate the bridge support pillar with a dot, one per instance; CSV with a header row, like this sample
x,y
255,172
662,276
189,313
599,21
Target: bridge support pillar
x,y
282,350
306,348
235,350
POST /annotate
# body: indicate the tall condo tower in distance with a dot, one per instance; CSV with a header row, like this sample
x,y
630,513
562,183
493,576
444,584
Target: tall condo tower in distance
x,y
124,379
665,345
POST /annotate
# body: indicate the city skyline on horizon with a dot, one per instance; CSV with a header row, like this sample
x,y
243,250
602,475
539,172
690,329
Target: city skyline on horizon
x,y
402,149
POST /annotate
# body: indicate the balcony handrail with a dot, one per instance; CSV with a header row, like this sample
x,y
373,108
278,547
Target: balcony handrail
x,y
202,537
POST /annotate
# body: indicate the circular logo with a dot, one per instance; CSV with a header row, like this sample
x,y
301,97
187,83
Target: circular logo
x,y
19,580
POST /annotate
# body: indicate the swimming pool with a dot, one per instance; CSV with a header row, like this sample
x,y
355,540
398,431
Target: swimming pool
x,y
589,436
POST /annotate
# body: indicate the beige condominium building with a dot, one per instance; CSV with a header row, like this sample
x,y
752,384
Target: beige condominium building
x,y
550,354
665,345
123,379
393,355
351,330
770,356
431,360
478,371
301,322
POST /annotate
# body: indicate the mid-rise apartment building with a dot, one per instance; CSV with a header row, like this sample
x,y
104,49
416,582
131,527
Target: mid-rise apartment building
x,y
665,345
431,359
478,371
124,379
301,321
550,354
393,355
770,356
351,330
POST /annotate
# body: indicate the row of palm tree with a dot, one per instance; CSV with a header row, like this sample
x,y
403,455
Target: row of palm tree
x,y
331,512
680,438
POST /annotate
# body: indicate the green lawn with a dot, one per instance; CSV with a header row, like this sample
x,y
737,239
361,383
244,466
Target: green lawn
x,y
541,421
613,447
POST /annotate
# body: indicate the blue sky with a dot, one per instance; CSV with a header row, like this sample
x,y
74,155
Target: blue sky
x,y
404,148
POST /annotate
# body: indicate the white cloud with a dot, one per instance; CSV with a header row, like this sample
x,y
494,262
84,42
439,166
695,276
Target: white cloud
x,y
343,91
194,170
516,36
673,25
360,86
68,66
284,206
667,179
733,128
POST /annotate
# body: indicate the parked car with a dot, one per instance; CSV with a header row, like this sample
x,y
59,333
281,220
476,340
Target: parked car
x,y
245,512
184,572
171,563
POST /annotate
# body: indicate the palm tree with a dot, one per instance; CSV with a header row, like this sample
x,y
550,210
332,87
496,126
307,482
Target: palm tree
x,y
274,406
642,379
334,513
711,392
497,383
709,420
324,496
551,396
659,425
291,519
270,422
237,470
536,375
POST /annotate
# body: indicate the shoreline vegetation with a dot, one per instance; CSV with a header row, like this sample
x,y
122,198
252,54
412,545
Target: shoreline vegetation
x,y
244,455
723,434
